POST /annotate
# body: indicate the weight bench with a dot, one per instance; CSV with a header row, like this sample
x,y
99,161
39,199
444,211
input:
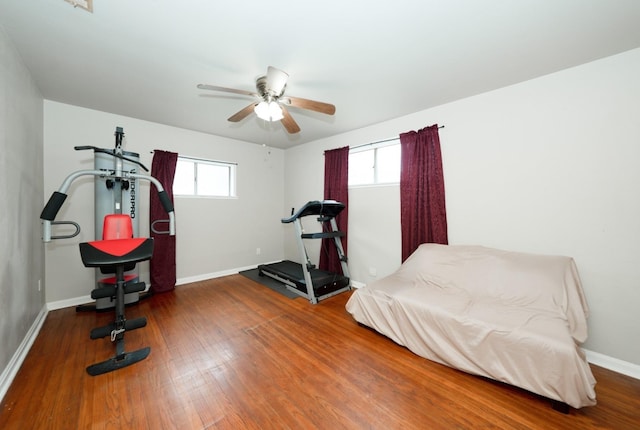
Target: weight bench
x,y
116,253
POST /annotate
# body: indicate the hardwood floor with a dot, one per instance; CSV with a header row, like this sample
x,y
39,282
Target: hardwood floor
x,y
231,354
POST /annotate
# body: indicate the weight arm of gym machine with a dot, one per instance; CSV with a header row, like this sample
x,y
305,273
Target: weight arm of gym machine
x,y
57,199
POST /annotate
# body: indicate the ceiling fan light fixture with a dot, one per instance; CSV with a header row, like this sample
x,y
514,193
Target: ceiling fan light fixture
x,y
82,4
269,103
270,111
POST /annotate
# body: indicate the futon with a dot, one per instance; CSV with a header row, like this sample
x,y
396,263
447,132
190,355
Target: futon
x,y
513,317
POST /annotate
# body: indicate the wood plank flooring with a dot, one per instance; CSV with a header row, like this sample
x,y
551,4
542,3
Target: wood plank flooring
x,y
231,354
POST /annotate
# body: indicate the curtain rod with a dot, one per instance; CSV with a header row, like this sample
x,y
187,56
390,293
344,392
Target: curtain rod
x,y
206,160
382,141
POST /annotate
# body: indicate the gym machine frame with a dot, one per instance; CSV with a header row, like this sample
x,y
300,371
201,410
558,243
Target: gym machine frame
x,y
117,329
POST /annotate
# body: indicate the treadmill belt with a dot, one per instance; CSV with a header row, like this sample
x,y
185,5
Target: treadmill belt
x,y
323,282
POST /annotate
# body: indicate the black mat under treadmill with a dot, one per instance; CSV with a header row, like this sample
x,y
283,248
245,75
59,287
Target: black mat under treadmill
x,y
323,282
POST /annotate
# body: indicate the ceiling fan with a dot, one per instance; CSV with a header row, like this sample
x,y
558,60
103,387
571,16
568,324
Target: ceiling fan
x,y
271,103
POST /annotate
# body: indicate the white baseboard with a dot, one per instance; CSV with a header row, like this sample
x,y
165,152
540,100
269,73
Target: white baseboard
x,y
67,303
617,365
10,372
356,284
76,301
212,275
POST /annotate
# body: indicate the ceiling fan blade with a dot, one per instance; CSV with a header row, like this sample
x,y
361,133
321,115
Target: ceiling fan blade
x,y
276,80
313,105
227,90
288,122
243,113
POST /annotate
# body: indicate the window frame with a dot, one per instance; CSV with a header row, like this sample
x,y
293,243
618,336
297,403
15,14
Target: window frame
x,y
232,172
375,147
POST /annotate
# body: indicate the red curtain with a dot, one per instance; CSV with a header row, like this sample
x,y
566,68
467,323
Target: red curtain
x,y
163,263
336,180
423,215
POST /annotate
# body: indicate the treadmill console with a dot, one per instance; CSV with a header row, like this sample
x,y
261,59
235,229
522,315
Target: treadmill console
x,y
324,208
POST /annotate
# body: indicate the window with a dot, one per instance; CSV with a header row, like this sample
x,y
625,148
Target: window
x,y
206,178
375,164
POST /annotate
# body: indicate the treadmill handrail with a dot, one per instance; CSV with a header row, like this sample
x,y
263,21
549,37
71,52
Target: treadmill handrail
x,y
327,208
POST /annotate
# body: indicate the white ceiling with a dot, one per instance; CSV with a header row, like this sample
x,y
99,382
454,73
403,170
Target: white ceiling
x,y
374,60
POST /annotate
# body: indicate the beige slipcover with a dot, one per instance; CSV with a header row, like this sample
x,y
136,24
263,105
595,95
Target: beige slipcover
x,y
513,317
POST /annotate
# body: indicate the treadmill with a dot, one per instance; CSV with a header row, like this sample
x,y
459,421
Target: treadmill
x,y
305,279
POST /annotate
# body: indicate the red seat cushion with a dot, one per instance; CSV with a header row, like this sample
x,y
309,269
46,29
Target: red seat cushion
x,y
113,280
117,247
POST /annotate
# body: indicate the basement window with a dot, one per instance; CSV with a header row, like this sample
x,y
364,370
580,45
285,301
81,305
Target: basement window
x,y
375,164
204,178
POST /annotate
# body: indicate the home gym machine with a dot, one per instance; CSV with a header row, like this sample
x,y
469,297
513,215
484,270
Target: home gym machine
x,y
119,249
305,279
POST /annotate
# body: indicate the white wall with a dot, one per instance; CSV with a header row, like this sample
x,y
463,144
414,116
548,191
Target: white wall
x,y
213,235
21,252
548,166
